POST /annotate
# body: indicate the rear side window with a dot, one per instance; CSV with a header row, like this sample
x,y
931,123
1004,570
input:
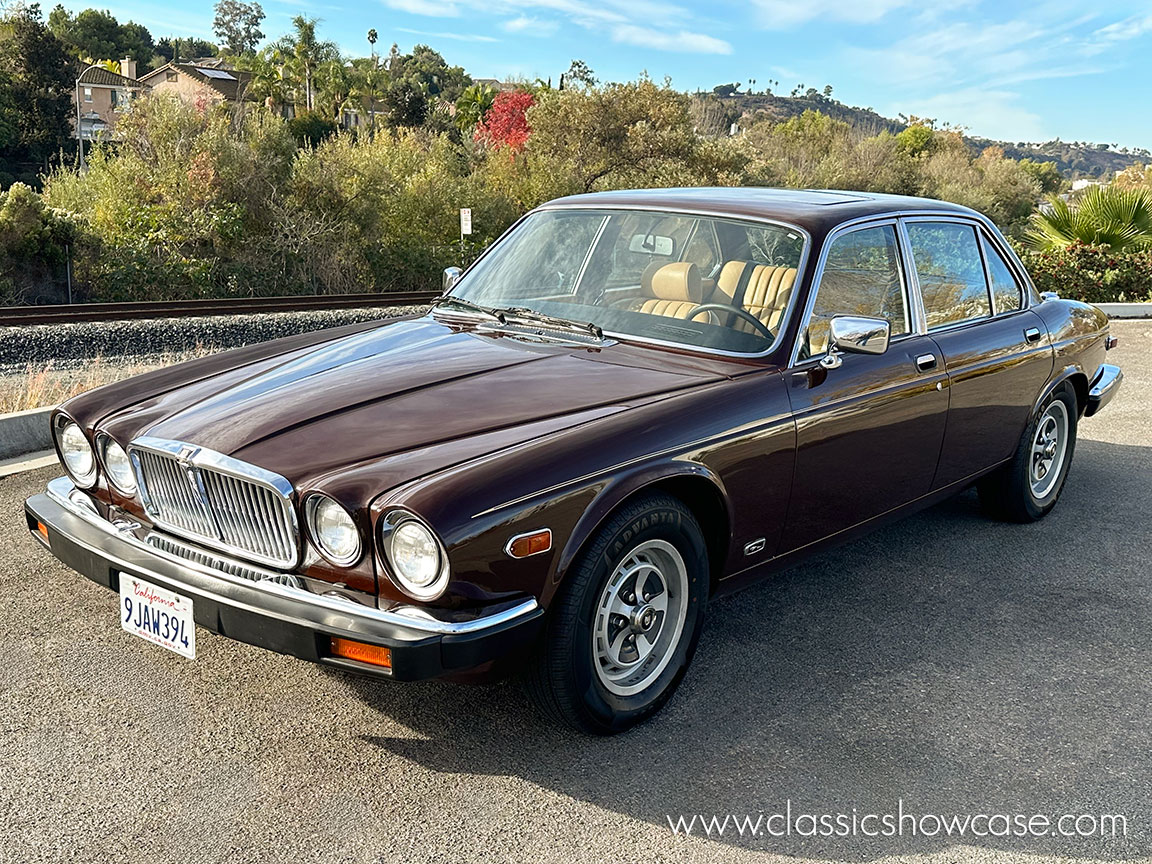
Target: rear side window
x,y
861,277
951,272
1005,288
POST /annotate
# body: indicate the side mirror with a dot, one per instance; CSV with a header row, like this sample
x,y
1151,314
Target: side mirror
x,y
451,277
855,335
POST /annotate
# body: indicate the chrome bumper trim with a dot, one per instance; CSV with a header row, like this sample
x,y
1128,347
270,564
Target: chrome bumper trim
x,y
418,620
1104,386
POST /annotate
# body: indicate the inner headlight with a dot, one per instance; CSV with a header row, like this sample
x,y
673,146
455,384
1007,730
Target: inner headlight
x,y
116,464
332,528
76,452
415,555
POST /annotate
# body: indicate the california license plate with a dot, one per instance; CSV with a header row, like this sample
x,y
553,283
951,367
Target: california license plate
x,y
157,615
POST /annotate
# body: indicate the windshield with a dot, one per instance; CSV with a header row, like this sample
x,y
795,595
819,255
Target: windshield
x,y
698,281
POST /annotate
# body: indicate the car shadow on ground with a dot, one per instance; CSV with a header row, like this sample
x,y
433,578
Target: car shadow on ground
x,y
954,664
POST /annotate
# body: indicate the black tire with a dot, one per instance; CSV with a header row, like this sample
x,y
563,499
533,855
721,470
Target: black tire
x,y
1008,492
565,680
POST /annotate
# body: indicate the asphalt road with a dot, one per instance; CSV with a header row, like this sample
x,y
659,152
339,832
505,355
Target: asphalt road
x,y
957,664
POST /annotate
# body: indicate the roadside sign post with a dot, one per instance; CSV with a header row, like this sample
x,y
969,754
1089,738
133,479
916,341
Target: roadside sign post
x,y
465,228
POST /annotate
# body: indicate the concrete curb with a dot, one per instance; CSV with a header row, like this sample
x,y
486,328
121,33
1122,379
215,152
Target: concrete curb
x,y
1126,310
25,432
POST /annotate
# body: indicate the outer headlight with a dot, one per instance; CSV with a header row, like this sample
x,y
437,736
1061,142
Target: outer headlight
x,y
116,464
415,556
76,452
333,530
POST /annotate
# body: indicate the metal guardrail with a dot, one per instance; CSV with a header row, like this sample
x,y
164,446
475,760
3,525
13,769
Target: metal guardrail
x,y
15,316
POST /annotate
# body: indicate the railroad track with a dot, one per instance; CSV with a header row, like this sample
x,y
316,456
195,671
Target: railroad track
x,y
15,316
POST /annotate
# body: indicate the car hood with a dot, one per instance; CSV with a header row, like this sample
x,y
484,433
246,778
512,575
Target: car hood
x,y
402,386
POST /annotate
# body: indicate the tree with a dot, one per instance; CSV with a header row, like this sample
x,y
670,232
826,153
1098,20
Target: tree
x,y
238,25
302,52
724,91
1105,216
40,78
579,72
472,105
426,70
506,122
96,35
184,48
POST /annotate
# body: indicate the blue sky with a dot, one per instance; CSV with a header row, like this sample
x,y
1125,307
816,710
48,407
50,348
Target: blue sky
x,y
1010,70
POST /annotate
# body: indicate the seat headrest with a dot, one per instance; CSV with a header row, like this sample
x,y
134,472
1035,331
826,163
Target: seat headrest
x,y
679,281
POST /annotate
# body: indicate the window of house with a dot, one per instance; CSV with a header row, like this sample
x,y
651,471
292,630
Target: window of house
x,y
951,272
1005,289
87,94
116,99
861,277
170,76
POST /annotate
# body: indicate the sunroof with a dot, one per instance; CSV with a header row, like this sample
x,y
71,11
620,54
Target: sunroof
x,y
216,73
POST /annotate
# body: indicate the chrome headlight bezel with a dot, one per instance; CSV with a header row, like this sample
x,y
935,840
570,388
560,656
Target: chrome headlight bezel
x,y
104,445
61,427
312,505
390,525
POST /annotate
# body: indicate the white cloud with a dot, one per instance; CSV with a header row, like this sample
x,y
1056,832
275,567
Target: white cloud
x,y
459,37
682,41
430,8
527,26
996,114
782,14
1121,31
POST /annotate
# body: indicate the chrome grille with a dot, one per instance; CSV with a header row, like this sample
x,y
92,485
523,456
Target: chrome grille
x,y
182,551
209,497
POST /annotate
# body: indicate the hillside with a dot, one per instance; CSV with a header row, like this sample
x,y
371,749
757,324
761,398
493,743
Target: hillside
x,y
1076,159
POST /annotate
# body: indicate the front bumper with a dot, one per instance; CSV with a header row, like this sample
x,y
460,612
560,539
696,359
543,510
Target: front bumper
x,y
1103,388
268,613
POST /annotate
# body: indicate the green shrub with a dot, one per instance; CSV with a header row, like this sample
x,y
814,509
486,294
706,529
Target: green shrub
x,y
1095,274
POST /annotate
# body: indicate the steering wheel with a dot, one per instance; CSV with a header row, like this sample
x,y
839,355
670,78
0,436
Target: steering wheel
x,y
742,313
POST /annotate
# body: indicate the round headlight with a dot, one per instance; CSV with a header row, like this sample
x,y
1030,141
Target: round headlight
x,y
116,464
416,559
333,530
77,453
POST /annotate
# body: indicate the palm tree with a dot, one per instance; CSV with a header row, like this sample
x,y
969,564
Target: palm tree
x,y
1104,216
472,105
268,82
304,52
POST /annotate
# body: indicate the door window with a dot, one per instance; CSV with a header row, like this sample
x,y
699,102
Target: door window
x,y
861,277
1005,288
951,272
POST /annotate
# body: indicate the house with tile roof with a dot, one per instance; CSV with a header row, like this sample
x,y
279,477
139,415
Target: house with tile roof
x,y
102,97
198,82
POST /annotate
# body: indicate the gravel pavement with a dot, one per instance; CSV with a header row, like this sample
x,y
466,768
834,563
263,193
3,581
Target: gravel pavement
x,y
959,665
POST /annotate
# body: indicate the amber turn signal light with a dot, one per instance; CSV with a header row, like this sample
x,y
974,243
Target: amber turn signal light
x,y
43,529
377,655
534,543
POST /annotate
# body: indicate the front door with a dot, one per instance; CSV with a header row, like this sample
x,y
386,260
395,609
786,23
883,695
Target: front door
x,y
869,432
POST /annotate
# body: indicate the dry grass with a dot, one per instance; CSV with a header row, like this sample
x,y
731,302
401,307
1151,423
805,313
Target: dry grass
x,y
40,385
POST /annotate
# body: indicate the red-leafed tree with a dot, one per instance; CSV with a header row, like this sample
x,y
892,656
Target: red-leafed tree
x,y
506,122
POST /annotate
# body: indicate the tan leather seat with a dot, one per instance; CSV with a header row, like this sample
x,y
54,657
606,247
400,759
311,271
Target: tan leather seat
x,y
766,295
672,290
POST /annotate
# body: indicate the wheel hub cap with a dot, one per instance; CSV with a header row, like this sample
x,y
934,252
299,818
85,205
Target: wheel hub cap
x,y
1049,447
640,617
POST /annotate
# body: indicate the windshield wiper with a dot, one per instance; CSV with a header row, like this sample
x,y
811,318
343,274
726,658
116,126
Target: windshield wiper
x,y
497,314
526,314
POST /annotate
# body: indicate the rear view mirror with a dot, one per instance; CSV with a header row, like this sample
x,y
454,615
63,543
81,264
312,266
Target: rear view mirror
x,y
856,335
651,244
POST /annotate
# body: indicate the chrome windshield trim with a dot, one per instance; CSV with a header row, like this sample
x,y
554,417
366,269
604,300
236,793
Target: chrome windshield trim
x,y
785,318
413,618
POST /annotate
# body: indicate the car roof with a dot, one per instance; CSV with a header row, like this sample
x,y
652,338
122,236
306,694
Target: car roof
x,y
815,210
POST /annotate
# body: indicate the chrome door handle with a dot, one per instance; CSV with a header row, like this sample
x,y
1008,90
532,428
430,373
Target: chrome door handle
x,y
1032,334
926,362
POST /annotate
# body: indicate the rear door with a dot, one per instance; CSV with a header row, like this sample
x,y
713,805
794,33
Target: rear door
x,y
997,353
869,432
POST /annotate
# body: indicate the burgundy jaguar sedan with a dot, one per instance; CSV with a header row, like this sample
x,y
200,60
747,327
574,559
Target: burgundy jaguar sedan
x,y
630,403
